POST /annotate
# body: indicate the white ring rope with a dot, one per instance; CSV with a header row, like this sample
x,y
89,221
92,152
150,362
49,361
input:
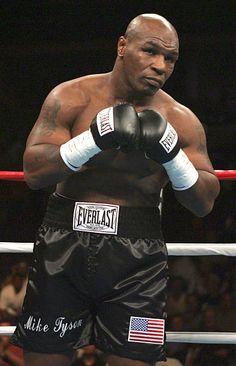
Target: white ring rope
x,y
195,249
201,337
191,249
7,330
8,247
180,337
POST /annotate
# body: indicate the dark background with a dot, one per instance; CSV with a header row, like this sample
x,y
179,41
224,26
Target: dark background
x,y
43,43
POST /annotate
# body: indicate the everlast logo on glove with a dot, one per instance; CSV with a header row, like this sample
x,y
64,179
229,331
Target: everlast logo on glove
x,y
169,139
105,121
96,218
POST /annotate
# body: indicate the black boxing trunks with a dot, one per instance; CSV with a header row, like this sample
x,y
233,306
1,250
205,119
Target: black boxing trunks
x,y
98,276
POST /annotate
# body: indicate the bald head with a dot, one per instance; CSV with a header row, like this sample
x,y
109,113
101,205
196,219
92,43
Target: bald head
x,y
146,22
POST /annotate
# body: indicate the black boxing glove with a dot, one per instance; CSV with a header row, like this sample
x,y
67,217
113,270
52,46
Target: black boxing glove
x,y
159,140
116,127
113,127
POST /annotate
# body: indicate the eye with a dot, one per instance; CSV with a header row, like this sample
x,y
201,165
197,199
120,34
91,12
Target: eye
x,y
150,50
170,58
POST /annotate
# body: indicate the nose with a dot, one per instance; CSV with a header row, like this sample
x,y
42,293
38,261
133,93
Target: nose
x,y
159,64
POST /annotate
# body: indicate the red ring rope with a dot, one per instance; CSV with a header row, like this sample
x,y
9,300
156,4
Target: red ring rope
x,y
226,174
19,176
6,175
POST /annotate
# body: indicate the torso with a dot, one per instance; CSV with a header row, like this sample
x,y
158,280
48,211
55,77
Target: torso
x,y
128,179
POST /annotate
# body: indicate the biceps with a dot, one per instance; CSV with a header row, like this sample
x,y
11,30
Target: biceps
x,y
51,126
48,134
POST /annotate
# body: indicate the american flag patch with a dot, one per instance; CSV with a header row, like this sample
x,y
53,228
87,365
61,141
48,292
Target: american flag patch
x,y
146,330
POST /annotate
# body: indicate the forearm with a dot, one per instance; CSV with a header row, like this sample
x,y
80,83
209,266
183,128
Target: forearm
x,y
200,198
43,166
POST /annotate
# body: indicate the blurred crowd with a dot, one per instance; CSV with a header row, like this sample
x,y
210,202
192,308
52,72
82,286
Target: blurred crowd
x,y
202,298
12,292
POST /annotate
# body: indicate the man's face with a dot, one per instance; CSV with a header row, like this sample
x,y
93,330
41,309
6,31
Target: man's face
x,y
149,58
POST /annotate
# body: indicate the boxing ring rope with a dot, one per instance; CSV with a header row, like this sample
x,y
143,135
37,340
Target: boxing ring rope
x,y
174,249
19,176
175,337
15,176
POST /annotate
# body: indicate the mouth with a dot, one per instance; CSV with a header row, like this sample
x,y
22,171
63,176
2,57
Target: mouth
x,y
154,82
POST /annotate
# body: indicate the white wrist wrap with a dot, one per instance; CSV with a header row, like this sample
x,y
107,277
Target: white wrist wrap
x,y
181,172
78,150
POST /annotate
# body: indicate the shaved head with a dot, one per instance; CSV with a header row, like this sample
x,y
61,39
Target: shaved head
x,y
145,22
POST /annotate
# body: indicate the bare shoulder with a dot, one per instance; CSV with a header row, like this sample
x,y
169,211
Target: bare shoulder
x,y
190,130
175,111
70,98
183,119
77,92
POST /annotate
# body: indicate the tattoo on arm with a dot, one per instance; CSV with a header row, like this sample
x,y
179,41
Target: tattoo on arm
x,y
202,148
49,115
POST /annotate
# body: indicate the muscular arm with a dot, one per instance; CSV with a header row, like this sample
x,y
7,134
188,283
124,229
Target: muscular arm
x,y
200,198
43,165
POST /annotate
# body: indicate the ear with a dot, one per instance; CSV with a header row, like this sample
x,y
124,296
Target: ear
x,y
121,46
